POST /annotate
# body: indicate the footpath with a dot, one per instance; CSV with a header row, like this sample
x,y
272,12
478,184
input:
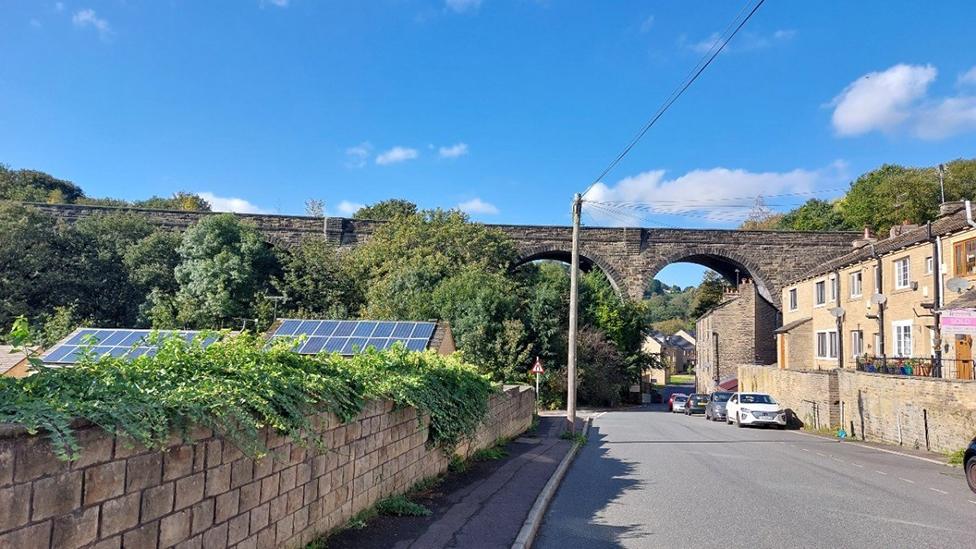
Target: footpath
x,y
484,506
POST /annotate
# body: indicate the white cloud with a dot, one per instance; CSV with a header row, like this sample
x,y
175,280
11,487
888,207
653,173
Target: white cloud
x,y
356,156
88,18
454,151
897,100
968,77
462,6
647,23
881,100
746,41
395,155
478,206
715,194
347,208
230,204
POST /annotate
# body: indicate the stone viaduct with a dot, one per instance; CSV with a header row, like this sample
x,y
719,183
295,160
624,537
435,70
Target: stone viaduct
x,y
630,257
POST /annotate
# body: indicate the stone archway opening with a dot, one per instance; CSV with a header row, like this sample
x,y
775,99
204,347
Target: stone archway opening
x,y
587,264
733,269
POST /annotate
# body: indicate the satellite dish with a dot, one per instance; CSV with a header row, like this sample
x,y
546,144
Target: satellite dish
x,y
958,285
878,299
837,312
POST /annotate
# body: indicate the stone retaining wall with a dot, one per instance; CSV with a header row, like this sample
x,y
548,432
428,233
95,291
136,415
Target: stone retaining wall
x,y
207,494
811,395
900,409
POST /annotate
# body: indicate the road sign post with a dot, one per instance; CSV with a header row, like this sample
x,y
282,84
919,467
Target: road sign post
x,y
538,371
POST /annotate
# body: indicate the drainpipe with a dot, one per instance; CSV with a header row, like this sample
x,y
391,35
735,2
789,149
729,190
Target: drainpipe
x,y
840,322
937,298
878,286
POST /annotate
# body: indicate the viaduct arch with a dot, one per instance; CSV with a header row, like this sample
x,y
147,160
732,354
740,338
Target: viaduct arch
x,y
630,256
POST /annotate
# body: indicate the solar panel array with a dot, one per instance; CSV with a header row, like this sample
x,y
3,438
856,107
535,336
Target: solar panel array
x,y
348,337
116,343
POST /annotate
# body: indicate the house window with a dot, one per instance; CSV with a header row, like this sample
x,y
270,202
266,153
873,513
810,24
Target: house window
x,y
826,344
793,303
902,274
857,343
877,280
856,284
902,331
928,265
833,288
878,351
964,254
820,293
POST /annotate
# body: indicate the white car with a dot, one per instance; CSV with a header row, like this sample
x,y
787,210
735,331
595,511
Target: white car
x,y
754,409
679,404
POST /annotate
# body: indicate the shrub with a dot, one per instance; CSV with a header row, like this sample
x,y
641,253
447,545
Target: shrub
x,y
238,386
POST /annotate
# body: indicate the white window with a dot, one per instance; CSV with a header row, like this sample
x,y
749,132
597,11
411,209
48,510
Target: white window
x,y
826,344
902,330
877,285
820,293
793,303
833,288
878,351
902,274
928,265
856,284
857,343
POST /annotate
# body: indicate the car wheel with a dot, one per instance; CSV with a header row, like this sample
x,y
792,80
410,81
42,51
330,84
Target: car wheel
x,y
706,416
737,422
971,473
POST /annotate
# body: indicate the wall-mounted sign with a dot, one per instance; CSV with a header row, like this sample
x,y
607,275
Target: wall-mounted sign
x,y
959,321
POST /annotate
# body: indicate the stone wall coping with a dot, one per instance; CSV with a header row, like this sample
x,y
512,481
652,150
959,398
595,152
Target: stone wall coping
x,y
907,378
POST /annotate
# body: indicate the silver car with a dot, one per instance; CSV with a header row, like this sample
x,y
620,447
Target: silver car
x,y
679,404
715,411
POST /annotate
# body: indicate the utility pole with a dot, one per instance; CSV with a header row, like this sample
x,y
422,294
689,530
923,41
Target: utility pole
x,y
573,306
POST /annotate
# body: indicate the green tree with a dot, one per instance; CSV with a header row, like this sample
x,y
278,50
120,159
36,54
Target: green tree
x,y
815,215
179,201
709,293
35,186
225,266
386,210
317,283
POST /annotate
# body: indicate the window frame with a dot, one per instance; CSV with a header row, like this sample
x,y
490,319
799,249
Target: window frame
x,y
929,265
834,289
829,344
903,280
820,293
794,299
857,283
899,330
961,266
857,343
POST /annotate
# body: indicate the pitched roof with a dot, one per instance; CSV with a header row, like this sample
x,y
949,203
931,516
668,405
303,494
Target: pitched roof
x,y
951,223
787,327
9,358
966,301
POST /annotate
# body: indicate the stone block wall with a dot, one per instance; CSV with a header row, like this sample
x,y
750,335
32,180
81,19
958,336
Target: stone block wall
x,y
899,409
205,493
811,395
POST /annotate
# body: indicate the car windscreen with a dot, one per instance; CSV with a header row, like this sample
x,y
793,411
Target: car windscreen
x,y
721,397
680,398
699,398
747,398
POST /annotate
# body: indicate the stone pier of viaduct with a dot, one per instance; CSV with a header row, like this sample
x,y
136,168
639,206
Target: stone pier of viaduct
x,y
630,257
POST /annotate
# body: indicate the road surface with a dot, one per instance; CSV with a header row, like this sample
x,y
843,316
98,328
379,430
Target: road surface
x,y
648,478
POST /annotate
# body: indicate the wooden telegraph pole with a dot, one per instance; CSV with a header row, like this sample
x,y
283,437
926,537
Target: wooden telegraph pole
x,y
573,306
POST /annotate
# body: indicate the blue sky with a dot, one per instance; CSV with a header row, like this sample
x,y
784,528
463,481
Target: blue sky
x,y
504,107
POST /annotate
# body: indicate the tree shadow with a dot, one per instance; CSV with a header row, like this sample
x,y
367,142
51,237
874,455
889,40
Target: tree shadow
x,y
591,488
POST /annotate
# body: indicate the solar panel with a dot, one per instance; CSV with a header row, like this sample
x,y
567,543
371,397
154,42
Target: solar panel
x,y
349,337
115,343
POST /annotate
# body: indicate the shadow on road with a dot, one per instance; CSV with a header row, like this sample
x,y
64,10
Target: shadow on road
x,y
594,483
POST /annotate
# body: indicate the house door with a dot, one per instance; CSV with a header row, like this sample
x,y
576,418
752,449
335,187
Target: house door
x,y
964,357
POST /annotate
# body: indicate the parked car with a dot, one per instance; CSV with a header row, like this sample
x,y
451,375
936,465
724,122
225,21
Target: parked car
x,y
671,400
715,411
679,403
969,463
754,409
696,404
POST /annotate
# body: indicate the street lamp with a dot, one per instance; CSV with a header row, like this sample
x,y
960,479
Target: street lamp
x,y
737,278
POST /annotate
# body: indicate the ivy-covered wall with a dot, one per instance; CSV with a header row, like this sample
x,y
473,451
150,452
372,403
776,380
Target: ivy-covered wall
x,y
206,493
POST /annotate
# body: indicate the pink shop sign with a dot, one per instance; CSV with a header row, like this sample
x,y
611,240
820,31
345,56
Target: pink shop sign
x,y
959,321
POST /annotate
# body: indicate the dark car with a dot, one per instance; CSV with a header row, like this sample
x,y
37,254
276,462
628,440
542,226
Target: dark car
x,y
696,404
715,411
969,463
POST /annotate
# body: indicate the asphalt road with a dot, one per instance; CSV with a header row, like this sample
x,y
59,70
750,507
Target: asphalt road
x,y
648,478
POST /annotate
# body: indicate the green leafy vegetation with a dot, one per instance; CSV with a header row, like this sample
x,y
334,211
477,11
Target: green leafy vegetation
x,y
577,438
401,506
237,387
956,458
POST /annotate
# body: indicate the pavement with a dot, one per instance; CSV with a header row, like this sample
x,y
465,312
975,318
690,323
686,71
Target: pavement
x,y
483,507
648,478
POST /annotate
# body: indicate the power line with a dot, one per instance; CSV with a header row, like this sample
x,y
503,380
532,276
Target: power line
x,y
711,55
